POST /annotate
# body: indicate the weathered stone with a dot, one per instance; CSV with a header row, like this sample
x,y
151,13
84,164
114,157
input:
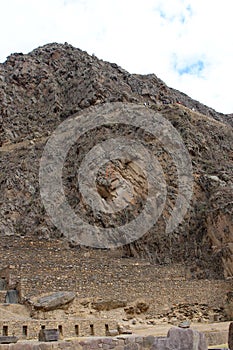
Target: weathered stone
x,y
12,296
229,306
54,301
2,284
105,305
148,341
112,332
8,339
132,346
48,335
184,324
160,343
124,330
41,89
230,336
185,339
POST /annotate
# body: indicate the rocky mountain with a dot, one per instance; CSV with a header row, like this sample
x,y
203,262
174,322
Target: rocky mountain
x,y
40,90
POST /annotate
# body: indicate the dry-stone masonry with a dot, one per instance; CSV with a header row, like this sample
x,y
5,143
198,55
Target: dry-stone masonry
x,y
177,340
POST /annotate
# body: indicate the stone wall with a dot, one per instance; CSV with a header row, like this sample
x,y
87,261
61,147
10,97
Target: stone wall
x,y
9,275
189,339
2,296
67,328
50,266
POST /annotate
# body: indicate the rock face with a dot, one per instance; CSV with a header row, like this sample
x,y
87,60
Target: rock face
x,y
181,339
40,90
54,301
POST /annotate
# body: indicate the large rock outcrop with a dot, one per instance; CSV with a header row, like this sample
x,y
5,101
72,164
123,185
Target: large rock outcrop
x,y
40,90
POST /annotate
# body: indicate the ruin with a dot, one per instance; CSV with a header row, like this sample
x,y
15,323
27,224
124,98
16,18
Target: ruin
x,y
158,279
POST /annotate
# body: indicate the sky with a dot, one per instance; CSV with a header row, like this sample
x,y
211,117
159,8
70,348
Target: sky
x,y
186,43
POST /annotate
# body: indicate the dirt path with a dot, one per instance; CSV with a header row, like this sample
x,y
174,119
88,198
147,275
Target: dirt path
x,y
161,330
9,147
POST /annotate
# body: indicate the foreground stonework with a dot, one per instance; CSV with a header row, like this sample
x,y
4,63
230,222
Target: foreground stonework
x,y
177,339
181,339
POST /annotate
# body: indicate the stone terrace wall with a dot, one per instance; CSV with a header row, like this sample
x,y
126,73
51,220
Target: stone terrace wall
x,y
29,329
195,341
121,343
8,275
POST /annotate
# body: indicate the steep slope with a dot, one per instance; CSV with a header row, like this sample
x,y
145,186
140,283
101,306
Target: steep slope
x,y
40,90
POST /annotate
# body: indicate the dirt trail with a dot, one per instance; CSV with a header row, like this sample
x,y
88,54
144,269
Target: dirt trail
x,y
161,330
9,147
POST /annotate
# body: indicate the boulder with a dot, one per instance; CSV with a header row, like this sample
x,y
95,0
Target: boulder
x,y
106,305
54,301
181,339
139,308
124,329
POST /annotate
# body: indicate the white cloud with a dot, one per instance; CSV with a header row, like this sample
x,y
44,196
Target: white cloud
x,y
155,36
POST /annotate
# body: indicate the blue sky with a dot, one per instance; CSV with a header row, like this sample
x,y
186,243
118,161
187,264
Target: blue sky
x,y
186,43
196,67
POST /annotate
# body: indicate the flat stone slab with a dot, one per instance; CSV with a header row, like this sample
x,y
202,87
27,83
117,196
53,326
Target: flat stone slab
x,y
47,335
8,339
54,301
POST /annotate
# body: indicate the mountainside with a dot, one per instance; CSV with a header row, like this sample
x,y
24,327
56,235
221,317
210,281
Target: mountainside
x,y
40,90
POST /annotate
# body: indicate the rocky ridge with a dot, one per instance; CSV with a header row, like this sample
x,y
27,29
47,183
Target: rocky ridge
x,y
40,90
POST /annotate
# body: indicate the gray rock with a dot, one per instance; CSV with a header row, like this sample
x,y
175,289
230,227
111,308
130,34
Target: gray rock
x,y
12,296
124,330
184,324
181,339
47,335
8,339
54,301
230,336
112,332
105,305
148,341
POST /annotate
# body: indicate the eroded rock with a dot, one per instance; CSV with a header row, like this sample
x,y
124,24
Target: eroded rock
x,y
230,336
106,305
54,301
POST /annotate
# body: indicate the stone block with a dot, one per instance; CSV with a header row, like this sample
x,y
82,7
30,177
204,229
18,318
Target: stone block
x,y
131,346
230,336
8,339
148,341
185,339
54,301
47,335
112,332
160,343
